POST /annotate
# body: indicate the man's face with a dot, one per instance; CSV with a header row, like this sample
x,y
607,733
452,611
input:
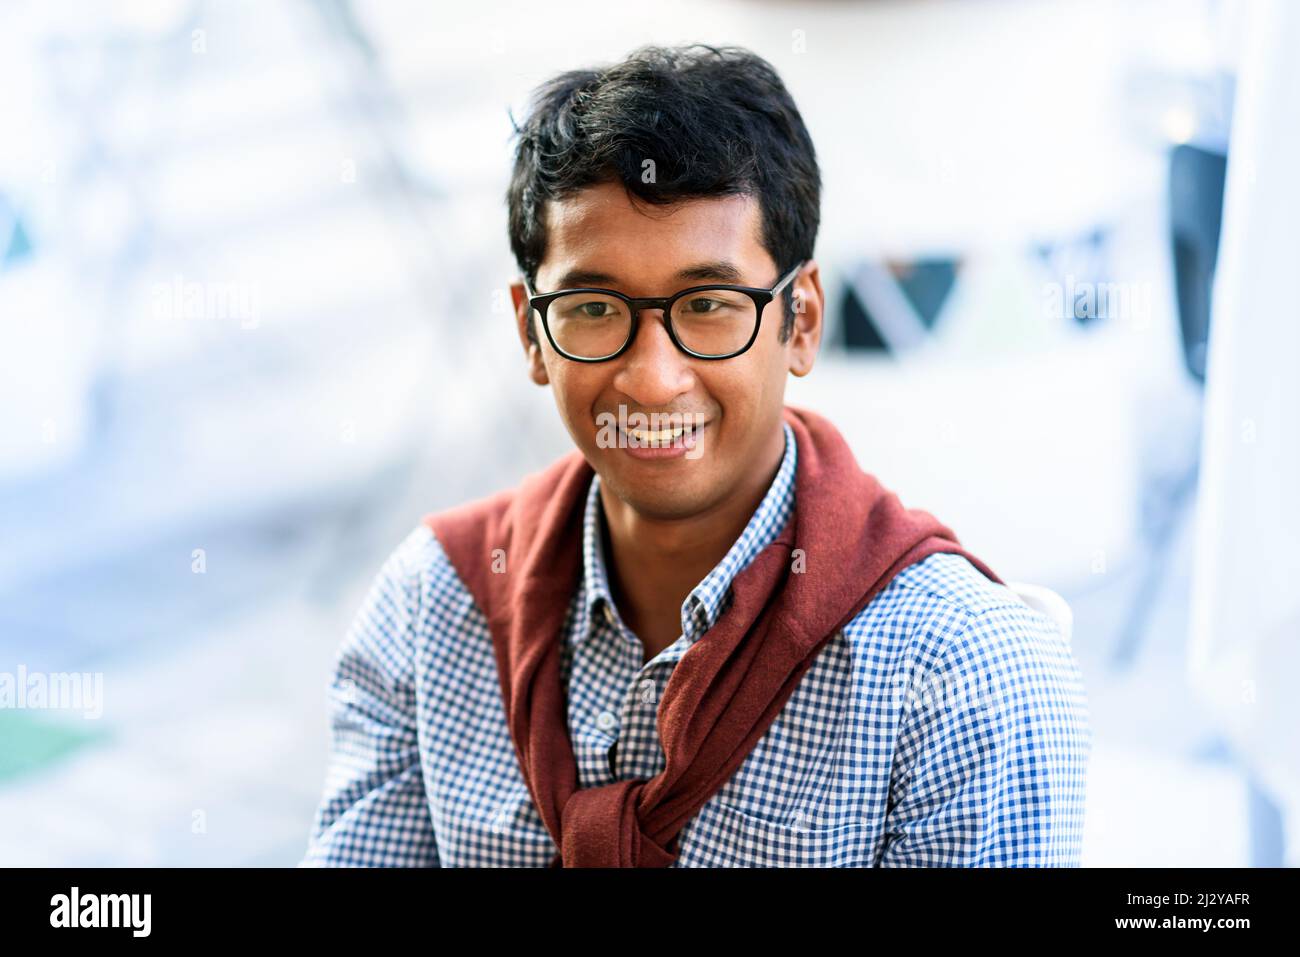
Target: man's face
x,y
640,250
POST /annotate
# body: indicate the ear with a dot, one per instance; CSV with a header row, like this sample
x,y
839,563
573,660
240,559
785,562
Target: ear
x,y
809,308
524,316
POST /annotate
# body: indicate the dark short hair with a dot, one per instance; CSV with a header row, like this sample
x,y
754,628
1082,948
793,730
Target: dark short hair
x,y
716,121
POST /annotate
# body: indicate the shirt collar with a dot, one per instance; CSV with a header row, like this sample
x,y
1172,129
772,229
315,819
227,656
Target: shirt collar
x,y
710,598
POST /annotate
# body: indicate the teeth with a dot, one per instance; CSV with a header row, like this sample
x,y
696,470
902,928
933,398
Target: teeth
x,y
663,435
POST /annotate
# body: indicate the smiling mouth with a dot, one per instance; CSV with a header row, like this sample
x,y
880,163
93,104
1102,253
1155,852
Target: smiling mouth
x,y
683,436
652,438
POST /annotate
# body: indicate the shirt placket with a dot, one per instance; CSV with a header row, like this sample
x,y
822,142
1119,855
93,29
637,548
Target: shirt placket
x,y
639,753
618,736
604,665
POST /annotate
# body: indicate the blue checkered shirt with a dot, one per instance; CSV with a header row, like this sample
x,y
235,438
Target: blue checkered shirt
x,y
946,725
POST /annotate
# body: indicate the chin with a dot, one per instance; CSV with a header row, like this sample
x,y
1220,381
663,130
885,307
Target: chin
x,y
663,498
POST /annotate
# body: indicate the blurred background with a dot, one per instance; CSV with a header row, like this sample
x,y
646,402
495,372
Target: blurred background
x,y
254,322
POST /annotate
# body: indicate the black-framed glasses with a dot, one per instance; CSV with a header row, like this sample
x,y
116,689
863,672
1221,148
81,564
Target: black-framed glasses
x,y
715,321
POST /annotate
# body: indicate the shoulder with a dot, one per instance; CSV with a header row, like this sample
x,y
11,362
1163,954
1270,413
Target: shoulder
x,y
415,555
941,619
952,581
933,600
416,592
415,565
470,530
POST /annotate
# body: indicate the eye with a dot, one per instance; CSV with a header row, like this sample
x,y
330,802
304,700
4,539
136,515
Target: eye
x,y
702,305
591,309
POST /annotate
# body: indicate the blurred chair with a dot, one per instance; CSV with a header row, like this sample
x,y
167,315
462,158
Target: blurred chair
x,y
1045,601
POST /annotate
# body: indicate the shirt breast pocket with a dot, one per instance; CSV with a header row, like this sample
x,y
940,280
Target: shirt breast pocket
x,y
723,836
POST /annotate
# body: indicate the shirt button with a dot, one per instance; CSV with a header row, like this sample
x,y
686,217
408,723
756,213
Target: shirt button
x,y
610,616
647,690
606,720
799,821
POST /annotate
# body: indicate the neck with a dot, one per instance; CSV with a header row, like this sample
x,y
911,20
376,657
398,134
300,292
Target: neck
x,y
653,564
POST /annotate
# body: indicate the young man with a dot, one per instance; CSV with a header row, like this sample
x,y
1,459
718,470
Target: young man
x,y
706,637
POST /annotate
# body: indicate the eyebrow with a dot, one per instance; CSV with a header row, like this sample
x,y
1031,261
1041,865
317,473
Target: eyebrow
x,y
716,271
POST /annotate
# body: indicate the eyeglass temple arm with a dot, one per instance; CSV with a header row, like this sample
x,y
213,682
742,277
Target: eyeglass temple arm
x,y
788,276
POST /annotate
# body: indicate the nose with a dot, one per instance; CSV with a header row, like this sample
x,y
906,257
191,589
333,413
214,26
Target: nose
x,y
654,371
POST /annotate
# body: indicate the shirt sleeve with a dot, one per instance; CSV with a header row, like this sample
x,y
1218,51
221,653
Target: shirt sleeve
x,y
373,812
991,761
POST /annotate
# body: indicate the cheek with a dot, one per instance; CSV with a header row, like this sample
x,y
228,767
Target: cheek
x,y
743,390
576,391
748,398
769,375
